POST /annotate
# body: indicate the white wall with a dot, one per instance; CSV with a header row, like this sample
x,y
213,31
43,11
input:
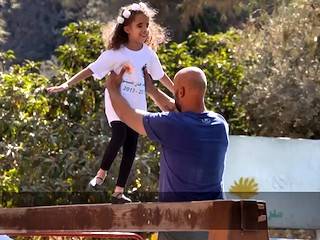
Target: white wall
x,y
287,174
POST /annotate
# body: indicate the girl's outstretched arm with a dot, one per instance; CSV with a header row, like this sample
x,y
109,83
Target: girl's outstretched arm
x,y
83,74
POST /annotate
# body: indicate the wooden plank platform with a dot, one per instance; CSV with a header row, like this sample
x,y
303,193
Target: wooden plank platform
x,y
222,217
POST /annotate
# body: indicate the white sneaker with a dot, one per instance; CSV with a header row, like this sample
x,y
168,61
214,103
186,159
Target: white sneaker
x,y
96,181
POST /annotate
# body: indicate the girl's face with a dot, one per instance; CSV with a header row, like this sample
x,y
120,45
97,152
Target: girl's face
x,y
137,30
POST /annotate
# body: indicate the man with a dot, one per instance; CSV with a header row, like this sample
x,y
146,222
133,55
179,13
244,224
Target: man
x,y
193,140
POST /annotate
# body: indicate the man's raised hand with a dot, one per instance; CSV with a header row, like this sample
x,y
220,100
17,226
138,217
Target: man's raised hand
x,y
114,80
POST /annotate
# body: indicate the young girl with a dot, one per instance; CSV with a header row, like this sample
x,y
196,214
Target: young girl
x,y
130,42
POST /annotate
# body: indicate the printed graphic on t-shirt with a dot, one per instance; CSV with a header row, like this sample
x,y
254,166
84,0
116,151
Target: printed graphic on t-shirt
x,y
207,121
134,88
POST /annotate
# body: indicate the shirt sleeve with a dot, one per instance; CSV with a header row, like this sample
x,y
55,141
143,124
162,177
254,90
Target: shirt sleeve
x,y
224,122
158,126
154,67
103,65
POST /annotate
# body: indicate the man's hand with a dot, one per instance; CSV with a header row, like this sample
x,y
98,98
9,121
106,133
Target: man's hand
x,y
148,81
113,81
56,89
125,112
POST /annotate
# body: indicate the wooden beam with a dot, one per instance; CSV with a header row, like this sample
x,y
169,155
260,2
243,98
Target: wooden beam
x,y
108,235
137,217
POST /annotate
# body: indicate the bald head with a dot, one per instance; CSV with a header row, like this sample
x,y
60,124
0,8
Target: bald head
x,y
190,86
191,78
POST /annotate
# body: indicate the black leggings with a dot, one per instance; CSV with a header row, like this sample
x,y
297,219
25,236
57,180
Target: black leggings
x,y
122,135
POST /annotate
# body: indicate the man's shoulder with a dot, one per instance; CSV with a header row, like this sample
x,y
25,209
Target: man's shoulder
x,y
220,119
158,125
217,116
167,118
159,115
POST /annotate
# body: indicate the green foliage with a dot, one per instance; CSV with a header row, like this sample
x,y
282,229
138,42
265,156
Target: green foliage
x,y
55,142
82,47
84,43
5,59
23,111
50,140
213,54
281,54
10,180
49,149
213,16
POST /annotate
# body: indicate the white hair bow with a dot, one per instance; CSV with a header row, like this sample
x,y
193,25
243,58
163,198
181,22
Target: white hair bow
x,y
127,12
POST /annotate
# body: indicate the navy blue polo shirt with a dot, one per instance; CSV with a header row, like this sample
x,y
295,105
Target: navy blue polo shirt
x,y
193,149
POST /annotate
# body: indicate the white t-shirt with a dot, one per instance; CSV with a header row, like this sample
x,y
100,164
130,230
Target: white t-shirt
x,y
132,86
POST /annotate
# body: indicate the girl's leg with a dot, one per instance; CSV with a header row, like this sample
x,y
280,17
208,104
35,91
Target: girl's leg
x,y
129,153
119,132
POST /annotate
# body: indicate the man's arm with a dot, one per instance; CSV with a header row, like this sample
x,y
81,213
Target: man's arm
x,y
133,118
162,100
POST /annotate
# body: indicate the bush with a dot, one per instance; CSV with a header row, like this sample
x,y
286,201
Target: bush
x,y
215,55
54,143
281,55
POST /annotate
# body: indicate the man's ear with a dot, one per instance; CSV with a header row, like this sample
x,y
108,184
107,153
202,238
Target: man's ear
x,y
182,92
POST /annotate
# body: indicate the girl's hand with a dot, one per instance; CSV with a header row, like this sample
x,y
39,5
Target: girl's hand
x,y
57,89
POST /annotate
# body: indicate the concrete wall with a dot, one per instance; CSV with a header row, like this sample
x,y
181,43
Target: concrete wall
x,y
284,172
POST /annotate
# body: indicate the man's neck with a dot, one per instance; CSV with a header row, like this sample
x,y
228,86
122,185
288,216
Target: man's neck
x,y
196,108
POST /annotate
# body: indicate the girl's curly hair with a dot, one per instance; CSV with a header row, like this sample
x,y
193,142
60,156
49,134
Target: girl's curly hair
x,y
114,36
